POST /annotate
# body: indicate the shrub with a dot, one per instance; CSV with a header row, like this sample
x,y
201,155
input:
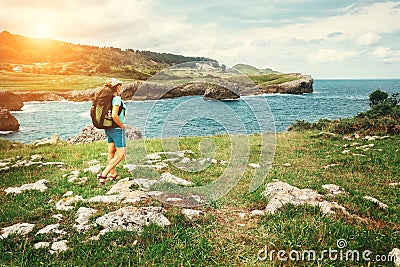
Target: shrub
x,y
377,97
382,118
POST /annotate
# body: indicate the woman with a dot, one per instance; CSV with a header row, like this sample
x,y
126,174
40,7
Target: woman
x,y
115,136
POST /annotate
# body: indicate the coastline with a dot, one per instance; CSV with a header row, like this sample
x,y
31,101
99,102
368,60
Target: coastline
x,y
303,85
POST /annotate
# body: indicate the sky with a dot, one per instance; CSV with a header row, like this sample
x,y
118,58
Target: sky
x,y
327,39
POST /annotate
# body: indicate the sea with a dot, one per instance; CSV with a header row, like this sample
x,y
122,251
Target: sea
x,y
194,116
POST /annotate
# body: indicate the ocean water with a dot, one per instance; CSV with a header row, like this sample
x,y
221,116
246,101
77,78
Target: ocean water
x,y
192,116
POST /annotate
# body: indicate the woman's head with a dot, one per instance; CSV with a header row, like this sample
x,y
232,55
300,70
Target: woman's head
x,y
114,84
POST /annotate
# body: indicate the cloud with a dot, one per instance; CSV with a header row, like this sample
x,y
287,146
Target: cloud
x,y
331,55
279,34
368,38
387,55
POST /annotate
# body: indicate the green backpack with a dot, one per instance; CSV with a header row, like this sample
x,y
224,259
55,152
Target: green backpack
x,y
101,109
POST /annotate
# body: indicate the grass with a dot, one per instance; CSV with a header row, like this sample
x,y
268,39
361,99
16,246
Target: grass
x,y
18,82
12,81
221,237
273,78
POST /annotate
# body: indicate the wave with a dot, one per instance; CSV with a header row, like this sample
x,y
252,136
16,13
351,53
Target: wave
x,y
5,132
85,114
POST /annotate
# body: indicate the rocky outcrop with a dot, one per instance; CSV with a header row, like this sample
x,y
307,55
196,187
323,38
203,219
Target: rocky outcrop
x,y
8,122
214,91
76,96
129,90
153,91
10,101
91,134
304,84
281,193
139,90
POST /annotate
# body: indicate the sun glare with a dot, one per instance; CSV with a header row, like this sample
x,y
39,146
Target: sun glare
x,y
41,31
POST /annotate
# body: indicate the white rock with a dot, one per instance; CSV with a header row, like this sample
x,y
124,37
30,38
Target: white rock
x,y
160,166
68,194
122,186
365,147
130,167
83,215
145,184
94,169
153,156
39,185
330,166
334,189
36,157
257,213
59,246
198,199
374,200
396,254
75,172
287,164
19,228
154,193
134,196
185,160
133,218
254,165
190,213
173,199
41,245
65,203
346,151
152,161
170,178
58,216
51,229
280,194
242,215
107,199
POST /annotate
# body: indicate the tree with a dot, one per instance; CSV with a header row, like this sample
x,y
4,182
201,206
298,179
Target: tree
x,y
377,97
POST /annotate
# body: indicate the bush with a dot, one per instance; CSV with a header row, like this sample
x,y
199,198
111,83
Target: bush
x,y
377,97
382,118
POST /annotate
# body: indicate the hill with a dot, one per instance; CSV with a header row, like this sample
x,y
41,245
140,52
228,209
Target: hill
x,y
250,70
47,56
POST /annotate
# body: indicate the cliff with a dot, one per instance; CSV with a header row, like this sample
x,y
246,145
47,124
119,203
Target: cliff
x,y
139,90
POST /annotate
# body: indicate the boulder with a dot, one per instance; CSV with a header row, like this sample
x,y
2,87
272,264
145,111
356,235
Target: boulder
x,y
10,101
131,218
217,92
91,134
304,84
8,122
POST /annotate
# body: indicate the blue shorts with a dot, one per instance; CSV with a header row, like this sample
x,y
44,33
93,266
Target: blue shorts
x,y
116,136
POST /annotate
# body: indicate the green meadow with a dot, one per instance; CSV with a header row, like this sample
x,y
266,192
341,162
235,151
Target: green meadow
x,y
226,235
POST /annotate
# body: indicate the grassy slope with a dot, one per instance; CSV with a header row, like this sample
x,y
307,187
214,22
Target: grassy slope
x,y
221,237
15,82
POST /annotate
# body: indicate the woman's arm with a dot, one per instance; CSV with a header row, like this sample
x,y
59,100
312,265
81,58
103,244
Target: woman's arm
x,y
114,115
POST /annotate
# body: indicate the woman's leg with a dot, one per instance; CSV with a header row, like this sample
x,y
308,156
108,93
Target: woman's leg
x,y
110,156
119,156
